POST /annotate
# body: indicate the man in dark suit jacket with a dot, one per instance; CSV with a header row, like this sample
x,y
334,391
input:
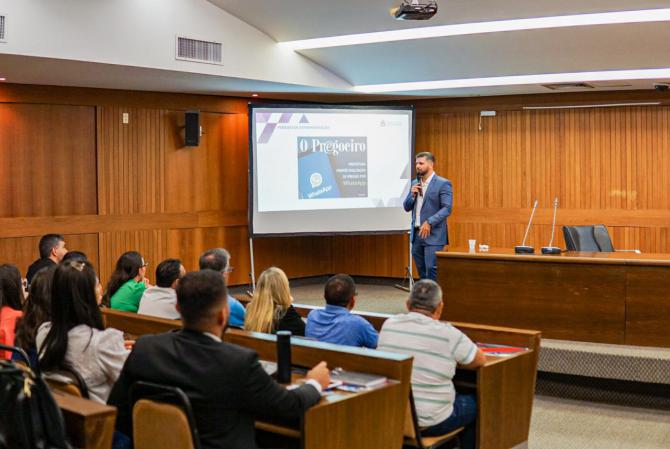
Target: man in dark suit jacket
x,y
430,202
225,383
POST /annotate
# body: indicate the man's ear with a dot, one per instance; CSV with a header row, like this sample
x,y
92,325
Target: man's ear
x,y
408,304
438,312
352,303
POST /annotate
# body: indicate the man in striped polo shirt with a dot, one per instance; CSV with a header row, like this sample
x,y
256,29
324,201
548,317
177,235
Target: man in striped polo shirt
x,y
437,348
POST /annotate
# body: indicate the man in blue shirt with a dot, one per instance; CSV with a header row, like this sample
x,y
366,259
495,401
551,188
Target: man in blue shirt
x,y
336,324
218,259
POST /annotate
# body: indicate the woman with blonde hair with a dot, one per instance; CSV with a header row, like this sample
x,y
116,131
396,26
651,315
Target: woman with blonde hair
x,y
270,310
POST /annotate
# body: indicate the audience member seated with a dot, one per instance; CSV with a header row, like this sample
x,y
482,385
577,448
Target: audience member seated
x,y
11,303
437,347
225,383
336,324
36,311
76,337
161,300
52,250
271,310
218,259
128,282
75,255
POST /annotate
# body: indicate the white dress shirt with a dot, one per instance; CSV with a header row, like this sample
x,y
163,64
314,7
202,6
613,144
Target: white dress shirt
x,y
419,200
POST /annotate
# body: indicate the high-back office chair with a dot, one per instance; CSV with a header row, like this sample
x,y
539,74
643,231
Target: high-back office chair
x,y
162,417
593,238
412,431
68,381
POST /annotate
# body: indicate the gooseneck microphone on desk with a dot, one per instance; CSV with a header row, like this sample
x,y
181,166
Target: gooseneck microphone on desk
x,y
523,248
552,249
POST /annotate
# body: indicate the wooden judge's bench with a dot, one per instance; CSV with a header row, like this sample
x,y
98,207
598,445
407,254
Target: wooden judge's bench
x,y
618,298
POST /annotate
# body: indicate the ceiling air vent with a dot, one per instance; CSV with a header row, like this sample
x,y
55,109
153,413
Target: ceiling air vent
x,y
568,86
199,51
2,28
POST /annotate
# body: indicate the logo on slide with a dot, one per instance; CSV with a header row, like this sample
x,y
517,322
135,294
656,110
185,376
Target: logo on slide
x,y
316,180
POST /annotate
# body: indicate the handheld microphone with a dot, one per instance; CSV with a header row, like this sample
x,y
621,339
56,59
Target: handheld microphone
x,y
552,249
523,249
418,180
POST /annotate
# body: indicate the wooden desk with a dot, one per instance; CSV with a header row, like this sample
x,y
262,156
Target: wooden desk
x,y
372,419
619,298
89,424
369,419
505,385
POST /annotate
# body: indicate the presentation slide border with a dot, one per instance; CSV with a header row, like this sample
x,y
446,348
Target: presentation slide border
x,y
250,203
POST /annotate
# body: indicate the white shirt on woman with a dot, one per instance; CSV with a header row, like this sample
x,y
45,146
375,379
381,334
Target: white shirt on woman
x,y
97,355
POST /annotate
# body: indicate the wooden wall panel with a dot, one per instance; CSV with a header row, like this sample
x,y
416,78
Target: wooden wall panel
x,y
371,255
606,165
22,251
47,160
212,176
131,160
297,256
151,244
189,244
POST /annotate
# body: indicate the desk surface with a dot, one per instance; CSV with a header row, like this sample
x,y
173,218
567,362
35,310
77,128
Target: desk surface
x,y
615,258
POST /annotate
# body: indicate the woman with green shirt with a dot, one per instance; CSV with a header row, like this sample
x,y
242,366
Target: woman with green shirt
x,y
128,282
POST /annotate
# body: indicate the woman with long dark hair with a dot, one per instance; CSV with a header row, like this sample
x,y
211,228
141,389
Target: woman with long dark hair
x,y
75,337
11,302
128,282
36,311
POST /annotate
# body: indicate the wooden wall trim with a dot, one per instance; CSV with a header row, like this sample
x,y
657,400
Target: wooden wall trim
x,y
565,217
86,224
29,93
517,102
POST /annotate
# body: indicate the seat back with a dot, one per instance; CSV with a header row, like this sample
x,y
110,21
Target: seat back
x,y
162,417
411,430
603,238
67,380
580,238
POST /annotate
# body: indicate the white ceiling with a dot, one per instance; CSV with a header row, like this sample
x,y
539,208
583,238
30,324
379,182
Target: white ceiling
x,y
331,73
286,20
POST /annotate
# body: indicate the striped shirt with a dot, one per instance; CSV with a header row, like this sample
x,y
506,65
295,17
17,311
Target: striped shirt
x,y
437,348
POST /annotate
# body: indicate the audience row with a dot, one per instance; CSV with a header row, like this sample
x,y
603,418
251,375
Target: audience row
x,y
60,324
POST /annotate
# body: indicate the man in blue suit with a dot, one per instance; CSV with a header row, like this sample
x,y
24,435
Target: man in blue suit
x,y
432,198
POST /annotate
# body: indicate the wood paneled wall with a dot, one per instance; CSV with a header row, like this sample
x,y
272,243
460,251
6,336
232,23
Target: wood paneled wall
x,y
606,165
68,164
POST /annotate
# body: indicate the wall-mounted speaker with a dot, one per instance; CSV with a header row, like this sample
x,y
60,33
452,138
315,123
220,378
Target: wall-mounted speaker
x,y
192,128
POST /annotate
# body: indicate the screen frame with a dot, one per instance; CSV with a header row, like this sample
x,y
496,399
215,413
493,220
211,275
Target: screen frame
x,y
250,203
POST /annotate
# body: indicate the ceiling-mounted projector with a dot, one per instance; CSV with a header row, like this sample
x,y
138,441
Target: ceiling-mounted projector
x,y
414,10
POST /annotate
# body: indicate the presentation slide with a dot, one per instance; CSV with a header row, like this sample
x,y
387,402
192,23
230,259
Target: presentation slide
x,y
321,169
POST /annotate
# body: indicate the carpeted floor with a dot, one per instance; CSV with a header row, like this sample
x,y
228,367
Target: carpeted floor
x,y
556,423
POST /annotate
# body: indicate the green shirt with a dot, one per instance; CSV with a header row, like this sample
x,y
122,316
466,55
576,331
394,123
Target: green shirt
x,y
127,298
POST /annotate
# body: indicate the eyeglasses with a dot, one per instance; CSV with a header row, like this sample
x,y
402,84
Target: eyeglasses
x,y
229,270
144,265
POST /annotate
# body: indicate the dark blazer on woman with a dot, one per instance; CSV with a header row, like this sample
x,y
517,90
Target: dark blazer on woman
x,y
291,321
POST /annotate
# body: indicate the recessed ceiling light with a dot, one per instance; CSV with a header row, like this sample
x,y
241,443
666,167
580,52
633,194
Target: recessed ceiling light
x,y
607,18
254,95
2,79
516,80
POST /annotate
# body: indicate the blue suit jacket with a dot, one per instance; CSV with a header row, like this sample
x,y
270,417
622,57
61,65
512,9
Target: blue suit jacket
x,y
437,201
